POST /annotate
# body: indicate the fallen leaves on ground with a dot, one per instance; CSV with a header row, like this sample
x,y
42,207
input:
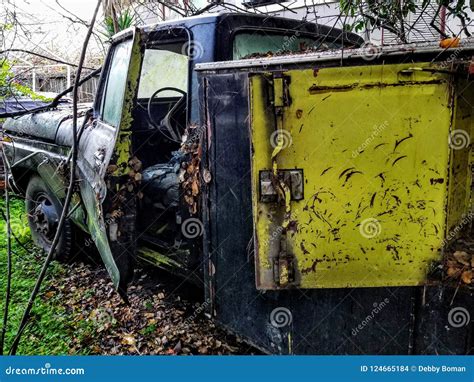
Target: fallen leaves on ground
x,y
157,321
460,266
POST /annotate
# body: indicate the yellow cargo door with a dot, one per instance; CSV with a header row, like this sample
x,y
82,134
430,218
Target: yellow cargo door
x,y
349,175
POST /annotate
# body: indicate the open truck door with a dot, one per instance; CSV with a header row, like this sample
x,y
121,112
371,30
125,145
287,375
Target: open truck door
x,y
107,180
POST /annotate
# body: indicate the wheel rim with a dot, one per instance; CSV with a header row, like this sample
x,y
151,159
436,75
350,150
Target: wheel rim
x,y
45,217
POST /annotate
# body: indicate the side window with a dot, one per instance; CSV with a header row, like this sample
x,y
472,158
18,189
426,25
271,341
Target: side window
x,y
115,86
163,68
248,44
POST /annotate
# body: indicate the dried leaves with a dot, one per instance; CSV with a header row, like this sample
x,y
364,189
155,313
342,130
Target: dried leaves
x,y
460,266
155,322
189,175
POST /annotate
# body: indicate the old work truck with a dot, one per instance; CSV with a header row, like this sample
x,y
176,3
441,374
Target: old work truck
x,y
317,187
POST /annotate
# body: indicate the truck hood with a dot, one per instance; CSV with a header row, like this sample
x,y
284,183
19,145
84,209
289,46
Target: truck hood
x,y
52,126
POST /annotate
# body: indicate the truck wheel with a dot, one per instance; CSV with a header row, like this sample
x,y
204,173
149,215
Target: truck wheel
x,y
44,210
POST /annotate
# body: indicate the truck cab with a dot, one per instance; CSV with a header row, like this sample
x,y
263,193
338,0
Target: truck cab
x,y
139,145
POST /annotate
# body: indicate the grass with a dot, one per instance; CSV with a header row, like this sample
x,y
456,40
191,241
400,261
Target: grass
x,y
50,330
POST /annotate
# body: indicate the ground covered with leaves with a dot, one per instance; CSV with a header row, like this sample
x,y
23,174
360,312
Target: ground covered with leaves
x,y
78,311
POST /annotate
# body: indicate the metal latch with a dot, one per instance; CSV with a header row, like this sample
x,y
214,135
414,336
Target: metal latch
x,y
294,179
281,90
284,273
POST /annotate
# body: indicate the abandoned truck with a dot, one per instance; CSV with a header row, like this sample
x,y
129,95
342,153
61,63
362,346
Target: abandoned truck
x,y
319,189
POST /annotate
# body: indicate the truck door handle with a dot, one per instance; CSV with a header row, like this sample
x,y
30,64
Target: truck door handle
x,y
99,157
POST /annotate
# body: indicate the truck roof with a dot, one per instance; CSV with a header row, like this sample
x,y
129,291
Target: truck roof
x,y
257,20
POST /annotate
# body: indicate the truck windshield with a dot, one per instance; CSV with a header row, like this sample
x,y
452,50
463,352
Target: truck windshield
x,y
249,44
164,66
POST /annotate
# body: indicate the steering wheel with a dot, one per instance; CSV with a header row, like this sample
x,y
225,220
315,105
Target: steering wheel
x,y
165,123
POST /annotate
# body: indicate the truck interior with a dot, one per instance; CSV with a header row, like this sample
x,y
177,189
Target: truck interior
x,y
161,106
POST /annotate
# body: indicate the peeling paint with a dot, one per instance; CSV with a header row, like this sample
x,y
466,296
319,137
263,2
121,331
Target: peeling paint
x,y
377,219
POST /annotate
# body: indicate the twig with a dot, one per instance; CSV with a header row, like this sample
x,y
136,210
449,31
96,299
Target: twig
x,y
70,191
9,263
54,102
2,52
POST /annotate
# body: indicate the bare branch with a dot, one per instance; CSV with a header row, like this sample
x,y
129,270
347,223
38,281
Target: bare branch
x,y
42,56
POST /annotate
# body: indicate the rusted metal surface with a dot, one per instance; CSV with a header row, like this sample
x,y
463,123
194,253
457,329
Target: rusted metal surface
x,y
376,200
111,175
53,126
411,320
368,54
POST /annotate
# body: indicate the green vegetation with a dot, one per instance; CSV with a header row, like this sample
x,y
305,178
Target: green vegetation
x,y
9,86
124,20
48,331
392,15
54,327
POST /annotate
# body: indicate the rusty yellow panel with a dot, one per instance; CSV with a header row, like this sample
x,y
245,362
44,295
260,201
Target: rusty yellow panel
x,y
460,174
373,146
